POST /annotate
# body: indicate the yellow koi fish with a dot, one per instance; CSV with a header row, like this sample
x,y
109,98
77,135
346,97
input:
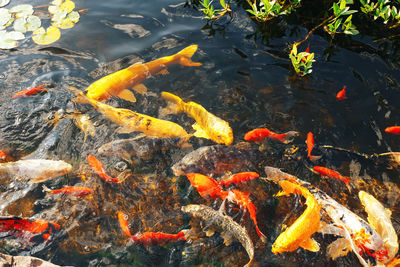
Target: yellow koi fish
x,y
131,121
207,125
299,233
116,84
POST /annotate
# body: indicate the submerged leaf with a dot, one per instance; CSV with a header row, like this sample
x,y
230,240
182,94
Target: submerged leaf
x,y
43,37
8,40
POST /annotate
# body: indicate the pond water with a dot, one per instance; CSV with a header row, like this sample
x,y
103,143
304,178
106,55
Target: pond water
x,y
245,80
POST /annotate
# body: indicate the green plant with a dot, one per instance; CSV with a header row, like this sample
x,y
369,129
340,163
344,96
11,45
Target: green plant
x,y
382,9
210,12
301,62
265,10
340,10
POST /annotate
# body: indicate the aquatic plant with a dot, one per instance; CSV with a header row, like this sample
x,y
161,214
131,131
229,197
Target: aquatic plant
x,y
210,12
23,20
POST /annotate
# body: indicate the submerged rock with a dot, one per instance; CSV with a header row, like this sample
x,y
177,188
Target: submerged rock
x,y
24,261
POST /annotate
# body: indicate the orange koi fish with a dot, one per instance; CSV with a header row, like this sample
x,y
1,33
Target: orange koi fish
x,y
98,168
260,134
37,227
239,178
116,84
341,95
30,91
393,130
77,191
123,222
310,145
206,186
3,155
331,174
243,200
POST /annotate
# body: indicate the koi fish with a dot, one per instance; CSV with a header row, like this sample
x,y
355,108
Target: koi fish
x,y
393,130
300,232
123,222
243,200
361,236
331,174
36,170
99,169
83,122
228,228
379,219
116,84
3,155
239,178
260,134
206,186
131,121
207,125
40,229
341,95
77,191
217,159
310,145
30,91
141,147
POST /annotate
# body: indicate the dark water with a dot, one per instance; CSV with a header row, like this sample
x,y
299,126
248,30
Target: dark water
x,y
245,81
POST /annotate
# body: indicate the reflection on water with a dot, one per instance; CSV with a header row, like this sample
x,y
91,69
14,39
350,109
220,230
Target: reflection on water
x,y
242,81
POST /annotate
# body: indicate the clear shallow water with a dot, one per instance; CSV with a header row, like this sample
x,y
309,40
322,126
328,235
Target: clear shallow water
x,y
242,81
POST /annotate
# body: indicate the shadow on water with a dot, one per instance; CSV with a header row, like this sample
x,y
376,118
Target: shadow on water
x,y
245,79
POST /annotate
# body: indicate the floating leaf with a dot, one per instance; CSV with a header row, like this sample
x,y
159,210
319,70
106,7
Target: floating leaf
x,y
9,40
59,5
4,2
31,23
61,14
43,37
68,6
22,11
5,17
68,22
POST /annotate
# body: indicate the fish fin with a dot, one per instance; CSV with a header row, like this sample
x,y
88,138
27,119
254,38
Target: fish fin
x,y
134,65
338,248
123,176
282,193
310,244
175,102
163,72
183,56
127,95
210,232
315,158
140,88
199,131
122,130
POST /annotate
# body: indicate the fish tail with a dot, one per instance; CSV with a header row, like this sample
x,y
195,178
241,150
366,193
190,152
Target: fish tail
x,y
314,158
175,103
183,57
287,137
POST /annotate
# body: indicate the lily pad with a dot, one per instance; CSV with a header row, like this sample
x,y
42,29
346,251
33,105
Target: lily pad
x,y
45,37
5,17
59,5
31,23
22,11
9,40
68,21
4,2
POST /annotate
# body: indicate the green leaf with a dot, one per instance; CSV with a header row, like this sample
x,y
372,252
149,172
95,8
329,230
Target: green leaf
x,y
223,4
9,40
22,11
335,8
5,17
342,4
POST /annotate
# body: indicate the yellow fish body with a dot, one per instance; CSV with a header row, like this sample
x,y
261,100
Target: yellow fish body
x,y
131,121
116,84
299,233
207,125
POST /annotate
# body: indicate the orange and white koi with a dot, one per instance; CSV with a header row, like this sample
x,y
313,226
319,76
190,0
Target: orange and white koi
x,y
341,95
207,125
393,130
310,145
36,170
38,229
131,121
242,199
123,222
300,232
99,169
260,134
77,191
116,84
206,186
331,174
30,91
239,178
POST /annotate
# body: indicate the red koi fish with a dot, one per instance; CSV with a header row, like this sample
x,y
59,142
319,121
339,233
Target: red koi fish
x,y
243,200
331,174
393,130
98,168
37,227
260,134
123,222
310,145
206,186
77,191
341,95
3,155
30,91
239,178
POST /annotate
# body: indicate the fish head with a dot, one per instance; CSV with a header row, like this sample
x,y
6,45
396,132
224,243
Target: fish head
x,y
222,132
